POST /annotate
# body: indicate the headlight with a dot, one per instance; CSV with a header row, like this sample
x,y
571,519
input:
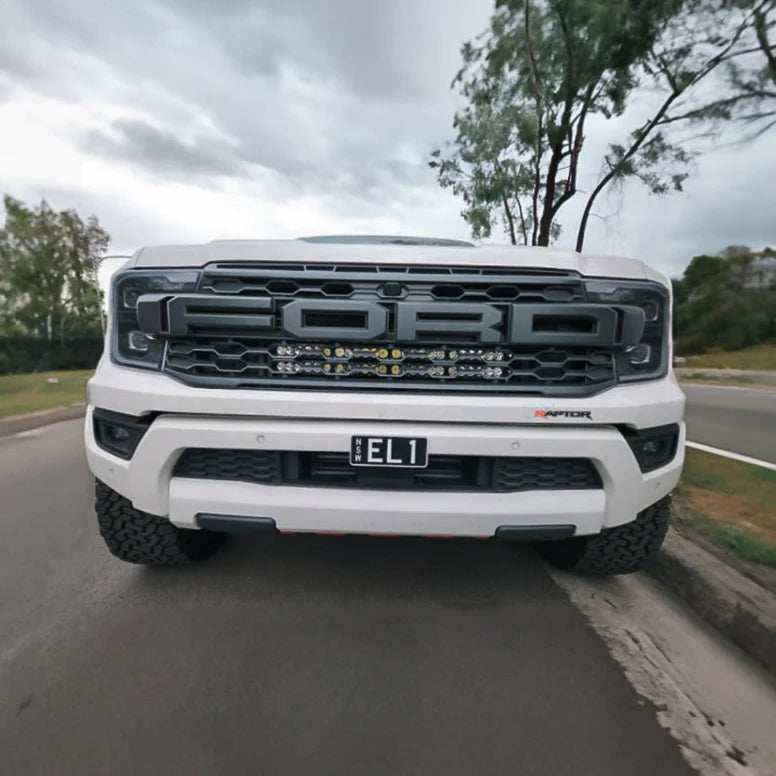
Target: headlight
x,y
130,345
648,358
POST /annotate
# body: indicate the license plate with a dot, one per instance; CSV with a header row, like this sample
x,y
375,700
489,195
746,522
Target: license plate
x,y
398,452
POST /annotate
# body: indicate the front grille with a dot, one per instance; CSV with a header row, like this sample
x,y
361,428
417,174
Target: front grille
x,y
237,335
465,473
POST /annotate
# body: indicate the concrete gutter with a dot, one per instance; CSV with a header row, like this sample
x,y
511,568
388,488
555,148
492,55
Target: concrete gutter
x,y
14,424
739,608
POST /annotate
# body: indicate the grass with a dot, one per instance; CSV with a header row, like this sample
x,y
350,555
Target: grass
x,y
762,357
730,503
32,392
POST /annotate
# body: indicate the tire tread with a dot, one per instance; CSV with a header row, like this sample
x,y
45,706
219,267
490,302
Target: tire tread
x,y
138,537
618,550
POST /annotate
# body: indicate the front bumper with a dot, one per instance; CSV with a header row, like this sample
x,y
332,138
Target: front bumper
x,y
146,479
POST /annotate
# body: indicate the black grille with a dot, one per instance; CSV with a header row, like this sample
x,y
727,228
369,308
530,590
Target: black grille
x,y
368,282
442,367
244,465
512,474
226,346
444,472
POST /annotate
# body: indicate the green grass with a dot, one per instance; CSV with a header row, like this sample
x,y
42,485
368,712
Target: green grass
x,y
744,542
32,392
762,357
730,503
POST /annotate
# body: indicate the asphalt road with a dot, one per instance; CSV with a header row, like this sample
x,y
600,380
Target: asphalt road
x,y
742,420
301,655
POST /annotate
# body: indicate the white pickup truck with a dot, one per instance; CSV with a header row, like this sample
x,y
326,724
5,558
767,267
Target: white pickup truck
x,y
386,386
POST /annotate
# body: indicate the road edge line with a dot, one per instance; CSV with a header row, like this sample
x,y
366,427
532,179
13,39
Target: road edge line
x,y
729,454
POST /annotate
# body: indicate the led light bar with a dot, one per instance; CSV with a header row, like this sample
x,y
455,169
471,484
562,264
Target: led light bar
x,y
390,354
321,359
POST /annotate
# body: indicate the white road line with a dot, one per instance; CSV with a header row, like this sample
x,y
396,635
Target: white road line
x,y
28,434
729,454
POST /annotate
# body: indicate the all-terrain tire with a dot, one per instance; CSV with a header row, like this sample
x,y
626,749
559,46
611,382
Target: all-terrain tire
x,y
138,537
619,550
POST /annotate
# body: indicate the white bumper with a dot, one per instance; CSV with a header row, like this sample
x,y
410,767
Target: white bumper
x,y
147,479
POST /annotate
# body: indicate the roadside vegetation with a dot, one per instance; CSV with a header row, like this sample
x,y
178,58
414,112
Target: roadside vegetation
x,y
727,302
760,357
33,392
730,503
49,295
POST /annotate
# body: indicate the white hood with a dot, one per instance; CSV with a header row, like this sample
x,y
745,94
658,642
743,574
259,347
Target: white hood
x,y
331,253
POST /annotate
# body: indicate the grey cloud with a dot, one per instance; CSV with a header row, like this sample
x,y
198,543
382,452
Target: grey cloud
x,y
337,101
164,152
326,94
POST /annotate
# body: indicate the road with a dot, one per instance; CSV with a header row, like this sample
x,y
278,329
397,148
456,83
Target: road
x,y
301,655
742,420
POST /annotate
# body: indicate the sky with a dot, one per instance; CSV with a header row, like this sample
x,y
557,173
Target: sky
x,y
179,121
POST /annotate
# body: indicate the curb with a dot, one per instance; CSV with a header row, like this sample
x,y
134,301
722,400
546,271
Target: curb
x,y
17,423
736,606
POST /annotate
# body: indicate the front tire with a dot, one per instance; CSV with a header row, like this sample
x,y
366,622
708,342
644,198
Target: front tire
x,y
619,550
137,537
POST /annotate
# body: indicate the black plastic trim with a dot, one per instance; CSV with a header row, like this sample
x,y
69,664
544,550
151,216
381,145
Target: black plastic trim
x,y
534,533
236,523
636,437
103,419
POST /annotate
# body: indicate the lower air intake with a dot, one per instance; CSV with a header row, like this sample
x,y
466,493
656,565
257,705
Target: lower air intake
x,y
463,473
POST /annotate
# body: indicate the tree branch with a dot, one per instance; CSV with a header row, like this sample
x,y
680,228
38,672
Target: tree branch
x,y
510,219
523,228
538,152
761,30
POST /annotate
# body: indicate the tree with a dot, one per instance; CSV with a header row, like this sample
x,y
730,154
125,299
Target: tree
x,y
48,271
544,68
725,301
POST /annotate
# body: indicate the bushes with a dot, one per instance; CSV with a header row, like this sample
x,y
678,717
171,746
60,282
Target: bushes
x,y
26,354
725,302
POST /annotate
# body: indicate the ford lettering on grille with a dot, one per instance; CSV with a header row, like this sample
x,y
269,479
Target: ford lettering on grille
x,y
367,321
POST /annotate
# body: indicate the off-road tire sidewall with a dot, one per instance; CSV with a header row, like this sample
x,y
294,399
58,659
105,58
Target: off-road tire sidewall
x,y
138,537
619,550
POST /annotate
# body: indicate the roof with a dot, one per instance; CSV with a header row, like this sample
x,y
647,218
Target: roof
x,y
336,252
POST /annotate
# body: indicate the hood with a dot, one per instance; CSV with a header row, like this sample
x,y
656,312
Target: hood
x,y
247,251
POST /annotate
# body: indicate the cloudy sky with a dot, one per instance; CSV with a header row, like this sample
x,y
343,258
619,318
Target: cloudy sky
x,y
189,120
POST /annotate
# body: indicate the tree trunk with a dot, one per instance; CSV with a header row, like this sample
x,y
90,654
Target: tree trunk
x,y
510,220
588,209
523,230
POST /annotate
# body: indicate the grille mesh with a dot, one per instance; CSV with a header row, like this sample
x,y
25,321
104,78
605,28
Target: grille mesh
x,y
244,465
249,361
444,472
513,474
